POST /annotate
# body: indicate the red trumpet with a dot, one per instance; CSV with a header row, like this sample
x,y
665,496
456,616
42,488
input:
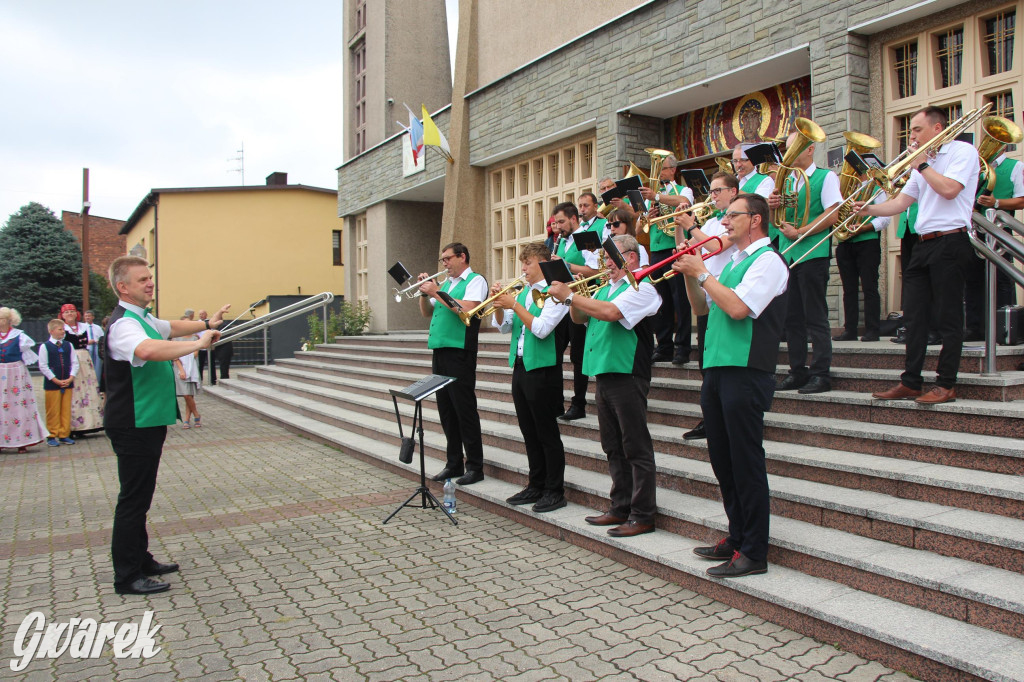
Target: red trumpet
x,y
688,251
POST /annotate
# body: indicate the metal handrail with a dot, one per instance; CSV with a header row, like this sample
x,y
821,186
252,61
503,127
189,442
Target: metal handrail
x,y
264,322
986,234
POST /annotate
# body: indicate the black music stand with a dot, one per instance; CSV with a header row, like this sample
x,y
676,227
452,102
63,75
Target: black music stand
x,y
417,392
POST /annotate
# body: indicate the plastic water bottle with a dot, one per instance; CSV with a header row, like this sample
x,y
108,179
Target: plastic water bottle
x,y
449,496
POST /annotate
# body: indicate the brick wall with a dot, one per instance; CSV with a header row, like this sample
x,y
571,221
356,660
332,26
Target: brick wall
x,y
105,244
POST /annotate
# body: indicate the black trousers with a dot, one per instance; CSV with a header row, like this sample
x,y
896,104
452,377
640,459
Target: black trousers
x,y
702,332
138,459
858,263
974,292
807,318
577,343
626,440
674,314
537,396
934,287
456,406
734,400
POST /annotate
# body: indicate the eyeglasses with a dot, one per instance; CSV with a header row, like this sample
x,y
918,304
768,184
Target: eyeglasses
x,y
719,190
443,260
732,214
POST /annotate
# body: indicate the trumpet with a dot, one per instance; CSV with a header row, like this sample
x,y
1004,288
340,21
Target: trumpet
x,y
412,291
585,287
487,307
688,251
701,212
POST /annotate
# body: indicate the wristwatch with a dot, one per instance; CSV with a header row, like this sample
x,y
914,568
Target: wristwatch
x,y
702,277
657,197
997,204
568,300
920,169
207,321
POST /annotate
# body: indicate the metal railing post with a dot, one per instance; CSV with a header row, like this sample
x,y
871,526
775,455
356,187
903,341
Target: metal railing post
x,y
266,359
325,323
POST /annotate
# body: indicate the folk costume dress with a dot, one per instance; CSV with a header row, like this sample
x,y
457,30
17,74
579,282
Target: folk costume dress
x,y
86,403
21,424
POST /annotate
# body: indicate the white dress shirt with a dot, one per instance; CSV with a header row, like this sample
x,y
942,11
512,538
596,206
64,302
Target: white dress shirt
x,y
44,359
126,334
764,188
475,290
715,264
766,278
957,161
635,304
550,315
830,193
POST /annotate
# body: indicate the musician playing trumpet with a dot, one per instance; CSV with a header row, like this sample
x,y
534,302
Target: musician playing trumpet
x,y
618,354
535,357
944,187
807,316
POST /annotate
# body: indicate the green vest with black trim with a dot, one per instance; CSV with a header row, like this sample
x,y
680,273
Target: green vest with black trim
x,y
446,328
610,348
537,352
138,397
568,252
816,181
659,240
907,221
748,342
1004,185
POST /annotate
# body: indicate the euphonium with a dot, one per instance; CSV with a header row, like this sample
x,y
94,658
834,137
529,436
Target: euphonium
x,y
808,133
997,132
850,183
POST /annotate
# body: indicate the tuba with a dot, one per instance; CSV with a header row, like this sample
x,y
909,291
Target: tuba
x,y
850,182
808,133
997,132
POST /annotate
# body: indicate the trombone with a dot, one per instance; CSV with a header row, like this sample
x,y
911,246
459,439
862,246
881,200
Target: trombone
x,y
688,251
412,291
583,287
486,307
894,176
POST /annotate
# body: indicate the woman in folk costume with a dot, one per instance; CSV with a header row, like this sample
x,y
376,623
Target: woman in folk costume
x,y
86,404
186,381
21,425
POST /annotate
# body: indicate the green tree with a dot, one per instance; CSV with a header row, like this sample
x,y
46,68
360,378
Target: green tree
x,y
102,298
40,263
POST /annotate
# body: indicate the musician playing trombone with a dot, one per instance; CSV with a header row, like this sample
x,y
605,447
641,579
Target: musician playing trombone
x,y
807,316
618,354
454,346
746,308
944,187
536,361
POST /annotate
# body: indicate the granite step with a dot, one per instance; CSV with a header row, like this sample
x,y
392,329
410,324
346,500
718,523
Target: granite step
x,y
927,643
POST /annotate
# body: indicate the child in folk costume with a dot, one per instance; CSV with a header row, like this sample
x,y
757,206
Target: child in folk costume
x,y
186,381
86,404
21,425
59,364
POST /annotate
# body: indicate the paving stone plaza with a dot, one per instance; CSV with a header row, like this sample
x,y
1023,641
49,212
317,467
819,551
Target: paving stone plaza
x,y
287,573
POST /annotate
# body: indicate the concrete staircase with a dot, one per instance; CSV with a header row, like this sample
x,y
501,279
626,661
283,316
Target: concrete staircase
x,y
897,530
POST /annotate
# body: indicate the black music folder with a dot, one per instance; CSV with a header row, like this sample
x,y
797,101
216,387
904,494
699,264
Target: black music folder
x,y
587,240
621,188
696,180
611,250
555,271
399,273
765,152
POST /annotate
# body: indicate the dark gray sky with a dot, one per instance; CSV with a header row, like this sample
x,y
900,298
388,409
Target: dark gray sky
x,y
163,94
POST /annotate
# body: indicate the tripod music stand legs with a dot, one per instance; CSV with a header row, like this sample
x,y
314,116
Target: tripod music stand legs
x,y
427,498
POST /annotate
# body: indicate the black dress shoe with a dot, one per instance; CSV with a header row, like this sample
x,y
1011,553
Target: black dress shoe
x,y
157,568
901,336
816,385
471,477
574,412
738,567
696,433
845,336
681,357
445,474
550,502
870,336
790,382
142,586
661,356
526,496
720,551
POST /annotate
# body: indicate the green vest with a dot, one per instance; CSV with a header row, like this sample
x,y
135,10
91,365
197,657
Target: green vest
x,y
536,352
446,328
609,347
568,252
659,240
731,343
907,221
867,233
598,225
156,402
1004,186
816,181
751,185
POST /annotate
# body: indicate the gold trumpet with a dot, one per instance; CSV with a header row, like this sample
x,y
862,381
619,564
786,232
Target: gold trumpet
x,y
486,306
808,133
701,212
585,287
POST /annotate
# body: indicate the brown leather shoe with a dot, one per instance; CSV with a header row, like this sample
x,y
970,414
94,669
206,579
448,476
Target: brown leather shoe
x,y
631,528
897,392
605,519
937,396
